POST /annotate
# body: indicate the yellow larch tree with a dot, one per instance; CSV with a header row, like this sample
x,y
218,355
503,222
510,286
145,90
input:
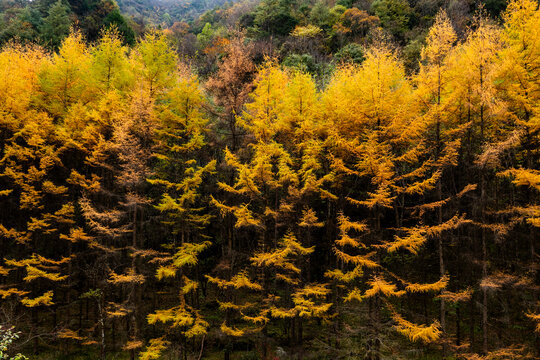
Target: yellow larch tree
x,y
518,84
39,211
379,146
179,173
101,131
273,188
434,92
64,79
474,86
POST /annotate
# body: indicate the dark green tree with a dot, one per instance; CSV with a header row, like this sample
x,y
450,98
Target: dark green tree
x,y
273,17
395,16
56,25
115,18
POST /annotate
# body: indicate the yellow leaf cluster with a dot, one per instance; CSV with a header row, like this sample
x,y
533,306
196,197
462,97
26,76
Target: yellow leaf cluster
x,y
412,242
231,331
130,277
33,273
380,286
423,288
69,334
154,349
45,300
240,280
424,333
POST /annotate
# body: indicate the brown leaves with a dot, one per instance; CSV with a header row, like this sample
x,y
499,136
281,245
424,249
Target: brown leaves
x,y
490,158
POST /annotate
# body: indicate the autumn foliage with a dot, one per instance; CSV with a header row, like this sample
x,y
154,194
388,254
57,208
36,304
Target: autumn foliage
x,y
149,211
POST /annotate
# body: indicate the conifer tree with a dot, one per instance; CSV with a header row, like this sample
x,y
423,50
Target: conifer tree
x,y
434,91
39,212
64,79
232,84
179,174
56,25
277,179
478,53
379,144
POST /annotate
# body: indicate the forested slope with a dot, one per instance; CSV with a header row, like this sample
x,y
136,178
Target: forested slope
x,y
235,205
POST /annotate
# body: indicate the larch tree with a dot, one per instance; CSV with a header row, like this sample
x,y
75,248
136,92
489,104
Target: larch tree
x,y
378,145
64,79
231,86
38,211
446,133
179,174
103,181
272,189
476,87
513,156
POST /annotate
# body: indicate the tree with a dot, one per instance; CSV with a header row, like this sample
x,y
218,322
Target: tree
x,y
64,80
115,18
272,186
231,85
479,54
156,63
355,23
394,15
274,18
181,140
433,90
56,25
379,144
110,66
40,210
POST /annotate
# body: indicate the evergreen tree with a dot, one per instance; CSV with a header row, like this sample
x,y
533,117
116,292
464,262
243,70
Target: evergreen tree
x,y
56,25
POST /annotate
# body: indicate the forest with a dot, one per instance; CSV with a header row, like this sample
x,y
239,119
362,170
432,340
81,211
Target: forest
x,y
270,180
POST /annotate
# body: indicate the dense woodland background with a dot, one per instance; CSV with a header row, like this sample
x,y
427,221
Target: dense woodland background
x,y
278,179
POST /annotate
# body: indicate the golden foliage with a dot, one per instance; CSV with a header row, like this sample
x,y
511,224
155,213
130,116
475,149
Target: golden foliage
x,y
231,331
132,345
309,219
423,288
455,297
412,242
512,352
424,333
198,328
154,349
33,273
189,285
4,271
238,281
45,300
186,255
380,286
128,278
536,318
308,31
5,293
117,310
354,294
497,281
453,223
523,177
68,334
280,258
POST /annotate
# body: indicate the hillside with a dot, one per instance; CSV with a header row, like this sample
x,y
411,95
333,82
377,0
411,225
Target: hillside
x,y
165,12
272,179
